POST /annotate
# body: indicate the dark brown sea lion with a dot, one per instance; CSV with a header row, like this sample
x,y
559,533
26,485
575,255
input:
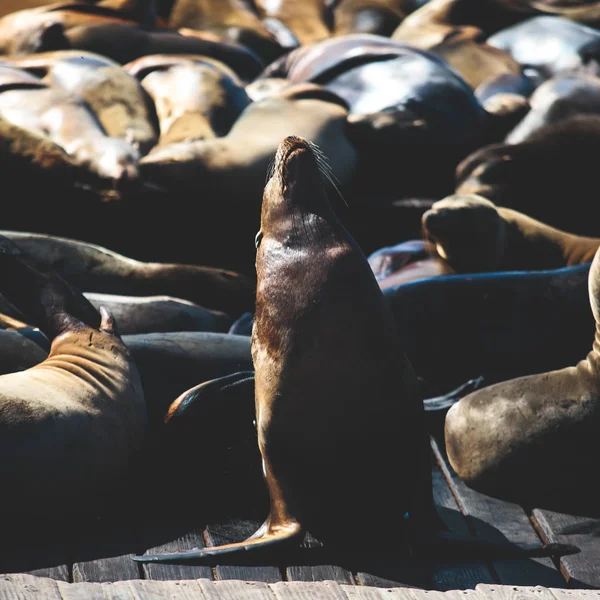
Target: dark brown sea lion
x,y
67,120
310,20
472,235
557,162
558,98
74,422
194,102
229,19
19,352
511,439
96,269
380,17
117,99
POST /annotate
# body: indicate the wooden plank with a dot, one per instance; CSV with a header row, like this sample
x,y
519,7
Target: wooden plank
x,y
189,541
244,590
360,592
80,591
117,591
19,586
318,572
101,570
237,531
165,590
59,573
514,592
562,594
300,590
580,570
495,520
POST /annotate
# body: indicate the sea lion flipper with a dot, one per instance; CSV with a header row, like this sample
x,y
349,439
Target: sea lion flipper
x,y
444,402
264,539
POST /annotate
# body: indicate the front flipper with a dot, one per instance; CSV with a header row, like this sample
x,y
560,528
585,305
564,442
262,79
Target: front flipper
x,y
441,403
260,544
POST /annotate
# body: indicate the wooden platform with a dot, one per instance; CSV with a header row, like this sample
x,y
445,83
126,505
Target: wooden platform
x,y
28,587
102,554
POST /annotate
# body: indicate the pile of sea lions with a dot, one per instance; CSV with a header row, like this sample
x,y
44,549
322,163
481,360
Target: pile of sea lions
x,y
421,175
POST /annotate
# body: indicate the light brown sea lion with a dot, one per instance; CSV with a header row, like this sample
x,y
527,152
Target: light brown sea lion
x,y
380,17
316,364
194,102
116,98
234,167
73,423
512,438
67,120
96,269
229,19
310,20
472,235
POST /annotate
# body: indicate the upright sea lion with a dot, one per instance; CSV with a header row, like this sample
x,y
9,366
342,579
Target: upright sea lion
x,y
117,99
194,102
556,164
67,120
310,20
563,96
472,235
550,45
96,269
231,20
380,17
315,431
73,423
534,439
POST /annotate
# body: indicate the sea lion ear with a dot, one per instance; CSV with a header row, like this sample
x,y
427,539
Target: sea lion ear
x,y
108,323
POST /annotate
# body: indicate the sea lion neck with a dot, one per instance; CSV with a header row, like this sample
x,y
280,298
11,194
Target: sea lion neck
x,y
295,203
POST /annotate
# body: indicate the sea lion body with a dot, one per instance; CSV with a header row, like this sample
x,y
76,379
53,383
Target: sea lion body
x,y
96,269
116,98
380,17
194,102
472,235
509,439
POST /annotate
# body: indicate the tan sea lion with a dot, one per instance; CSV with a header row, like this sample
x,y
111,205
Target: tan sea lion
x,y
67,120
73,423
310,20
472,235
116,98
380,17
512,438
194,102
96,269
229,19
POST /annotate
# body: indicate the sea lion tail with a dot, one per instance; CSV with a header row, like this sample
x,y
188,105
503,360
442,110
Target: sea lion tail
x,y
444,402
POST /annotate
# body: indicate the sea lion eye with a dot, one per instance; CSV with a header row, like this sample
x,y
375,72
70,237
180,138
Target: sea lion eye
x,y
258,238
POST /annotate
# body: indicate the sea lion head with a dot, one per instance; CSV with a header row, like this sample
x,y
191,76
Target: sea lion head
x,y
467,232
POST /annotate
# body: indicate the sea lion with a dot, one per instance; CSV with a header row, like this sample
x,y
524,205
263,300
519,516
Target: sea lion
x,y
234,167
96,269
380,17
511,439
19,352
472,235
307,471
557,162
117,99
310,21
546,44
67,120
194,102
558,98
229,19
74,422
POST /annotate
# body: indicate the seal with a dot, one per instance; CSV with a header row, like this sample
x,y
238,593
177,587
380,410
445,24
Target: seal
x,y
511,439
558,98
96,269
535,176
313,432
310,21
472,235
231,21
379,17
77,419
194,102
67,121
122,106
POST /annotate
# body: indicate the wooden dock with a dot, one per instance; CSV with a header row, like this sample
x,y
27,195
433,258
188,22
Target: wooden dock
x,y
101,554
